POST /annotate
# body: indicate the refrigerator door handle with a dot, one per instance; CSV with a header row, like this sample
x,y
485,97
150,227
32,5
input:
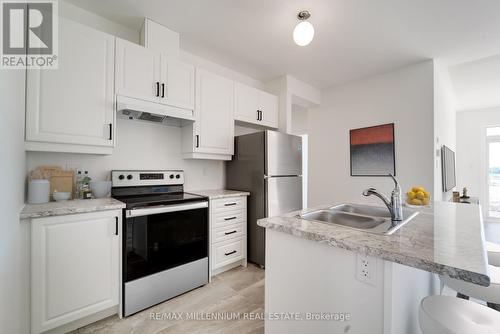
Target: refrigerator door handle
x,y
283,195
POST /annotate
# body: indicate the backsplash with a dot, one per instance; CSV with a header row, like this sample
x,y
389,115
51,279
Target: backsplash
x,y
139,145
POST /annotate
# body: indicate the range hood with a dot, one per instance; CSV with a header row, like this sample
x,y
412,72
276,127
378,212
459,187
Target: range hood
x,y
139,110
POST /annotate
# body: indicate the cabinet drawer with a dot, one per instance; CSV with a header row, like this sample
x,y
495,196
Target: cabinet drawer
x,y
227,253
228,232
229,218
229,204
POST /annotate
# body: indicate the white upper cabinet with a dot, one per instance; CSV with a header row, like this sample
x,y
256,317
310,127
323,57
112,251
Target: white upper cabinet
x,y
212,135
137,71
246,101
269,109
145,74
177,87
255,106
71,109
156,37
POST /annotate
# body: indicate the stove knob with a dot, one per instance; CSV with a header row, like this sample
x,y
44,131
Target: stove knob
x,y
171,176
178,176
130,177
121,177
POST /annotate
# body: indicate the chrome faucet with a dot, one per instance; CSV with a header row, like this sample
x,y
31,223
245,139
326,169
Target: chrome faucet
x,y
395,205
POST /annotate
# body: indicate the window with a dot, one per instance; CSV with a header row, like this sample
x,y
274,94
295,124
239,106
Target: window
x,y
493,172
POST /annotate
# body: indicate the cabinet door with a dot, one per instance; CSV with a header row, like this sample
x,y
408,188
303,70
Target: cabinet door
x,y
74,267
246,103
214,113
269,107
137,71
177,84
74,104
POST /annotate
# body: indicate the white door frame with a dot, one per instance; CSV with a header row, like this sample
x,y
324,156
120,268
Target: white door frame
x,y
485,174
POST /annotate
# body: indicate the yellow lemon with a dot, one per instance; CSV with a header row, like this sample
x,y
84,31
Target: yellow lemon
x,y
416,201
420,195
425,201
411,195
417,189
426,194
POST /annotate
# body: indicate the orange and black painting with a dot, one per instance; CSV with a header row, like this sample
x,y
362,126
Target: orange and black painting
x,y
372,151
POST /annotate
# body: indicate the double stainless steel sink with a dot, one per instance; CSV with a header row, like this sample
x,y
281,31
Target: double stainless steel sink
x,y
366,218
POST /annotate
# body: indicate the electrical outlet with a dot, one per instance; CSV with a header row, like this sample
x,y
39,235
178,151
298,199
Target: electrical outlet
x,y
366,269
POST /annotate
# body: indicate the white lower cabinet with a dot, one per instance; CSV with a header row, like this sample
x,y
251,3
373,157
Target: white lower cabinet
x,y
228,233
75,267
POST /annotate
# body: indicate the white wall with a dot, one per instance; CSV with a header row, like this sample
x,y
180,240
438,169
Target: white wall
x,y
299,120
140,145
292,91
404,97
476,83
14,247
444,124
471,148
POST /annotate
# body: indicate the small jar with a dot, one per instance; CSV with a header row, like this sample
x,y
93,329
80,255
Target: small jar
x,y
38,191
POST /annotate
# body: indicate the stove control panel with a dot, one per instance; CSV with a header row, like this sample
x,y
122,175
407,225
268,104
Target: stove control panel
x,y
134,178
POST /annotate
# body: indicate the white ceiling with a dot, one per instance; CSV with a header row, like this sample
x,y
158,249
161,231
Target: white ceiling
x,y
477,83
354,38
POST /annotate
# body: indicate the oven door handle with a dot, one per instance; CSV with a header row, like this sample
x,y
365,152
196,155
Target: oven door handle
x,y
154,210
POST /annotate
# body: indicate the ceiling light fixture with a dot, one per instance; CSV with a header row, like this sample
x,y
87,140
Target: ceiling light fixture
x,y
304,31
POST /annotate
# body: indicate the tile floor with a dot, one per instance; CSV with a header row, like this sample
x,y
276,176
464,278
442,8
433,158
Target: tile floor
x,y
240,290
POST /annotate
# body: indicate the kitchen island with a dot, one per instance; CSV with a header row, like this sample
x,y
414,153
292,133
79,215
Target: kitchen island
x,y
372,283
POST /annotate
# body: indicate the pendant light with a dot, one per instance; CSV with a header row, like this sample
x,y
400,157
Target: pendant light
x,y
304,31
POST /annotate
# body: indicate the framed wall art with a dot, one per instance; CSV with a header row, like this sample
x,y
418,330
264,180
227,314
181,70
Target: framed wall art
x,y
373,151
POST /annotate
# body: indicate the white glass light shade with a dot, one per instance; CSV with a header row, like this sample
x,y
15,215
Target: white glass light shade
x,y
303,33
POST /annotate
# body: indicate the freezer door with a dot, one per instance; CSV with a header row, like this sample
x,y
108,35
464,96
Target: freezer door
x,y
283,154
284,194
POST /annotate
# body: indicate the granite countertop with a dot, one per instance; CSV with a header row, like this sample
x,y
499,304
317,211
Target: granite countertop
x,y
447,240
70,207
219,193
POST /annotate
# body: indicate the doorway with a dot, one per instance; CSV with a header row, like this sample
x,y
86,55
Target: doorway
x,y
493,173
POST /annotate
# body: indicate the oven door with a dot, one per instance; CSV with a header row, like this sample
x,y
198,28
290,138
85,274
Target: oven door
x,y
163,237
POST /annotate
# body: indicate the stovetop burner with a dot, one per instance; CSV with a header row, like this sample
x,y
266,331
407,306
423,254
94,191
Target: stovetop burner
x,y
150,188
150,200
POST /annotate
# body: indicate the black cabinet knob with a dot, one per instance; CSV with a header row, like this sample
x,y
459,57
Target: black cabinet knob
x,y
121,177
171,176
129,177
177,176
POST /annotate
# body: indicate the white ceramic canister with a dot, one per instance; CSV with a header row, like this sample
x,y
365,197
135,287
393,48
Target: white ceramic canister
x,y
38,191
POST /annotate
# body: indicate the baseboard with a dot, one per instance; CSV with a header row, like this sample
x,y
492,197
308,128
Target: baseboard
x,y
227,267
83,321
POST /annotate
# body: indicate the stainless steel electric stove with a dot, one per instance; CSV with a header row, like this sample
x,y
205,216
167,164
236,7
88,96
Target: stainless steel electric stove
x,y
165,237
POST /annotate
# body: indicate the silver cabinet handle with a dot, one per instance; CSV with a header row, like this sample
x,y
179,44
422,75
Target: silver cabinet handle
x,y
153,210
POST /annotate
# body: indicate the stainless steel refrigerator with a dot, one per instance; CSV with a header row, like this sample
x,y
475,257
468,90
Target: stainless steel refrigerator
x,y
267,164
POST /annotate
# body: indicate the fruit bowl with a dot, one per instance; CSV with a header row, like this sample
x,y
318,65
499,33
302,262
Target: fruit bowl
x,y
418,197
